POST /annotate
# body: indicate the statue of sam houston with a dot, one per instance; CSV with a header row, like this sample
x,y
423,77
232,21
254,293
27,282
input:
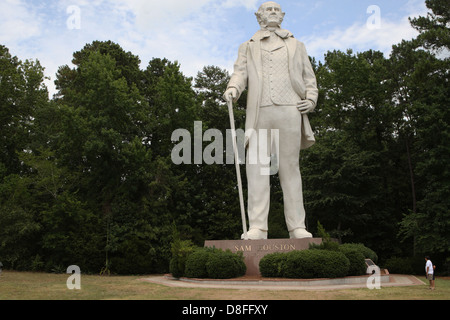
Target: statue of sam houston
x,y
282,90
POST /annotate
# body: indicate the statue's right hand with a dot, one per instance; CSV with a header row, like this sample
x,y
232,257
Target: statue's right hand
x,y
231,95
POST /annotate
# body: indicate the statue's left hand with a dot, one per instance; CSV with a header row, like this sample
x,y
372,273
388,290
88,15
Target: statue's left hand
x,y
306,106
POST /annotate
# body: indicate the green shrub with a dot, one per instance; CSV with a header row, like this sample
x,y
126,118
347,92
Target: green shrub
x,y
399,265
357,261
325,245
327,242
307,264
181,249
299,265
446,268
272,265
330,264
215,264
356,253
367,252
196,263
225,265
408,265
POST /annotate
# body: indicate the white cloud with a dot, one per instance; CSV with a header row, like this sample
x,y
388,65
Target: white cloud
x,y
248,4
161,14
18,22
191,32
415,8
360,37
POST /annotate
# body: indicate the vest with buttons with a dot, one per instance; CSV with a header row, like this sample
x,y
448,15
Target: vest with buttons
x,y
277,88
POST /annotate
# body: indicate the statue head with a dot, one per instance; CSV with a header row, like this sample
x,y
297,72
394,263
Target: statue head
x,y
270,14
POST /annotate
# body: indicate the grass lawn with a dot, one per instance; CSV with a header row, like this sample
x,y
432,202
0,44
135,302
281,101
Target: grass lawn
x,y
44,286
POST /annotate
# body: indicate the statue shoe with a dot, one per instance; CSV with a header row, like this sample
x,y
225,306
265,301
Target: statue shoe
x,y
256,234
299,233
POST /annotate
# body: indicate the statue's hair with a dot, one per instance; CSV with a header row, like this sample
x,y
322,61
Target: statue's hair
x,y
260,11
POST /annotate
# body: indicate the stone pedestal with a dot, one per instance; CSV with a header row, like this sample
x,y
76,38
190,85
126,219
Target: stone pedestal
x,y
255,250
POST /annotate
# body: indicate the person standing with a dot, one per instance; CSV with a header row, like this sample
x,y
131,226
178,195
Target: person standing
x,y
429,272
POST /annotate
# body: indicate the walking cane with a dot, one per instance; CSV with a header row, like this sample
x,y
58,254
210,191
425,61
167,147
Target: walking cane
x,y
238,170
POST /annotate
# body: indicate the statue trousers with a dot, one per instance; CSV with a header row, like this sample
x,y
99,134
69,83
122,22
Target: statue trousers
x,y
278,136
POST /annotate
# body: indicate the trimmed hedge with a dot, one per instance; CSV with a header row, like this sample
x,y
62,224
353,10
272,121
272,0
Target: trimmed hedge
x,y
225,265
357,261
356,253
305,264
367,252
214,264
196,263
273,265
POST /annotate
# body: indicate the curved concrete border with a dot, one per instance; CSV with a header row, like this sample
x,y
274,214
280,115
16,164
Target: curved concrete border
x,y
285,284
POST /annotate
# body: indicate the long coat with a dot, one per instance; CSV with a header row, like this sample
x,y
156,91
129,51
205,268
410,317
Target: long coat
x,y
248,73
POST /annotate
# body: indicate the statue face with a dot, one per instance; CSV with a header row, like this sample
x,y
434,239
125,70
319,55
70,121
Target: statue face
x,y
270,14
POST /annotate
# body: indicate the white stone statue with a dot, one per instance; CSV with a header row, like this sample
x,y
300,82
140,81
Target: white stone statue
x,y
282,90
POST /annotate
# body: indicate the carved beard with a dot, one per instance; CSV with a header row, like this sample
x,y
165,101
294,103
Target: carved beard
x,y
265,21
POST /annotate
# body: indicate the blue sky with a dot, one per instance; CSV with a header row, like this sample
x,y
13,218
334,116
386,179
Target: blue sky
x,y
196,33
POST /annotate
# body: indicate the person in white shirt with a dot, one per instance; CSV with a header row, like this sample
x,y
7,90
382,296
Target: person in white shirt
x,y
429,271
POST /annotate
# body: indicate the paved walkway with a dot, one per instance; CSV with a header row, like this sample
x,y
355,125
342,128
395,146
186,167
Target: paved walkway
x,y
393,280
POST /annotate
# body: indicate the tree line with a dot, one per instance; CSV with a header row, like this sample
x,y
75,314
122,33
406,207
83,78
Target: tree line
x,y
86,177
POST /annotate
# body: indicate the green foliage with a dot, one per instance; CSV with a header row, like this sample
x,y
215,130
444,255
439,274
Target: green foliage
x,y
382,126
356,253
425,225
20,228
86,178
357,261
273,265
434,29
405,265
327,242
22,93
366,252
196,263
321,233
215,264
225,265
345,171
305,264
181,249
